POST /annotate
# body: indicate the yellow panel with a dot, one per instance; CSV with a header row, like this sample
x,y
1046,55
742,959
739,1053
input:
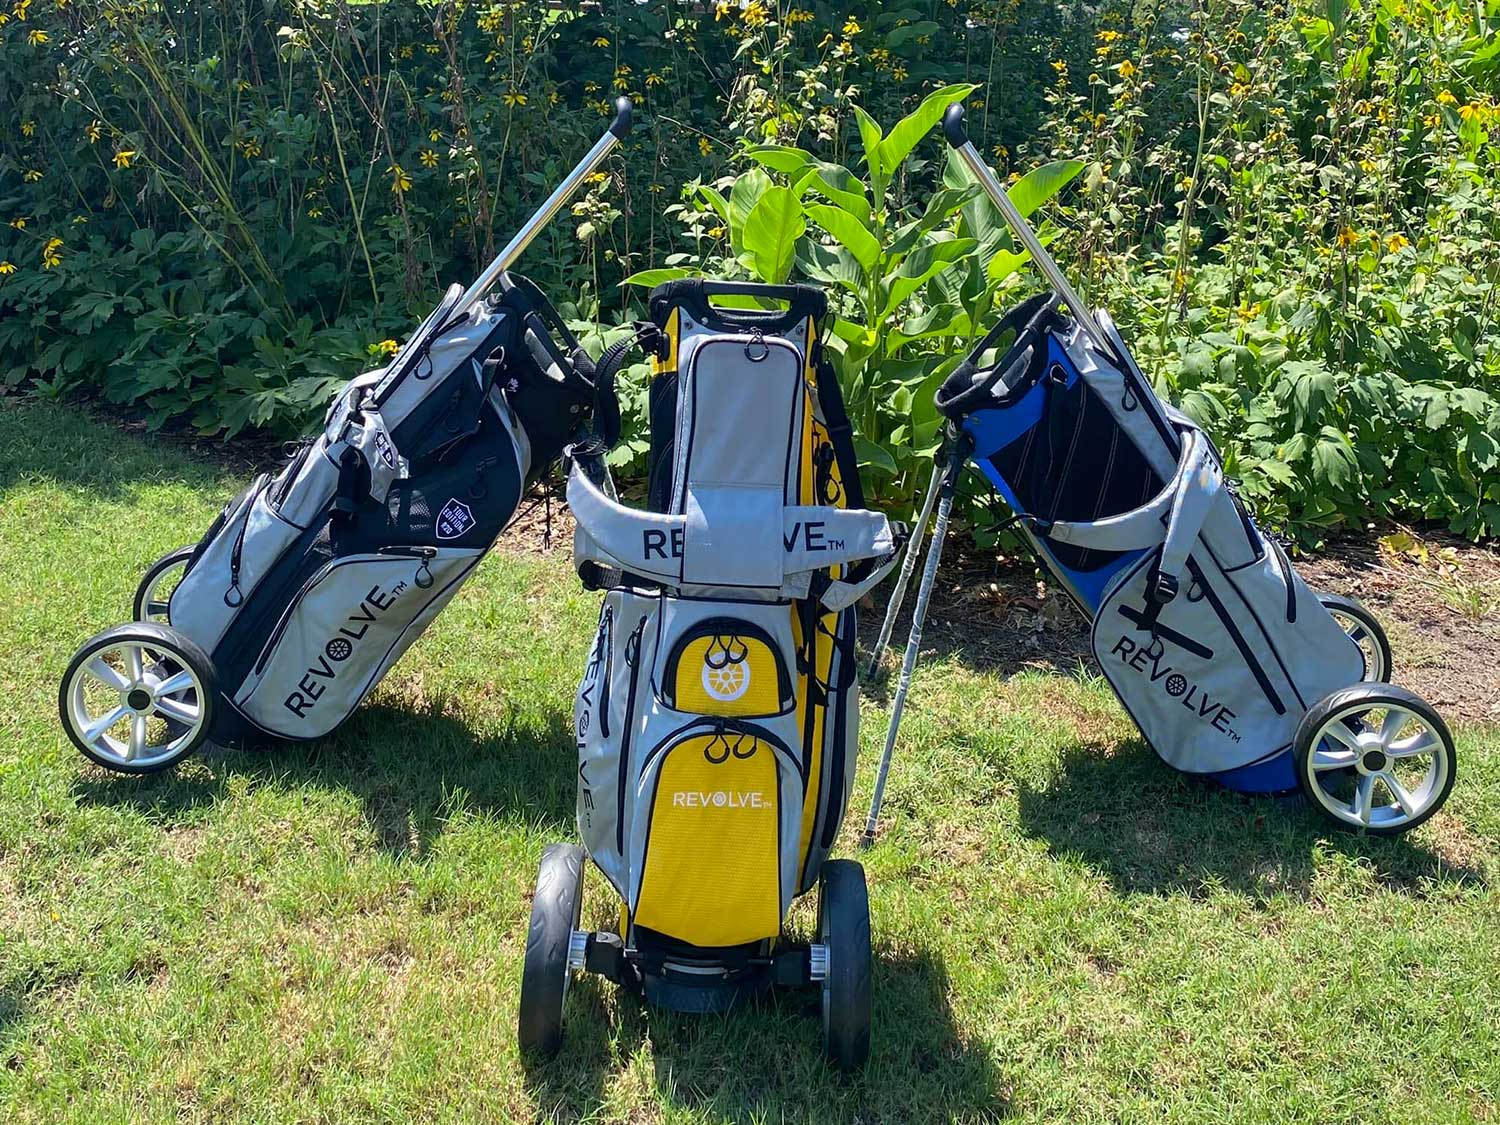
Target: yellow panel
x,y
661,366
728,674
713,874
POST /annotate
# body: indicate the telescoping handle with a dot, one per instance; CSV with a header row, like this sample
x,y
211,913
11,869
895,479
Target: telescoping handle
x,y
953,130
616,132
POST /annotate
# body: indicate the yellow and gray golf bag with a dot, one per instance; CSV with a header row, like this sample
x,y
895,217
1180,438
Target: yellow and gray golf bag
x,y
717,718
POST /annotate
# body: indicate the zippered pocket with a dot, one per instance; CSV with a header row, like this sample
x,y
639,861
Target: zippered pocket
x,y
627,728
726,666
717,853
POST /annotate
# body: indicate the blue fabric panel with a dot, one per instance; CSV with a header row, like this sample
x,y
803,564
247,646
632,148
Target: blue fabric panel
x,y
1276,774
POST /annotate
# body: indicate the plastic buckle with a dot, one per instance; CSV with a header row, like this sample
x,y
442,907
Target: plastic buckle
x,y
1164,588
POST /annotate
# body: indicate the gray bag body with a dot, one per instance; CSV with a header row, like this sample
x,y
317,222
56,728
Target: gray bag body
x,y
312,583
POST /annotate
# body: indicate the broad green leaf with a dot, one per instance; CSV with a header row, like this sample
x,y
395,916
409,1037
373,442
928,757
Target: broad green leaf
x,y
869,136
832,265
922,264
902,34
875,456
658,276
1040,185
785,159
839,185
771,232
940,207
743,197
848,231
1333,459
906,133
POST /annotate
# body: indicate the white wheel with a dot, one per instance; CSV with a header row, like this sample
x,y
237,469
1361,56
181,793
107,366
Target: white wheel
x,y
138,698
1364,629
1375,757
154,593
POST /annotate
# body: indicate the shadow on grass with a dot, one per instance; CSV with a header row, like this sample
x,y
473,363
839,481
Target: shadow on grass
x,y
764,1061
409,769
1151,830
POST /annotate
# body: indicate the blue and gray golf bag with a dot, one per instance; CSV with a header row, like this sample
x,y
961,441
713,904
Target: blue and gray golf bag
x,y
1232,668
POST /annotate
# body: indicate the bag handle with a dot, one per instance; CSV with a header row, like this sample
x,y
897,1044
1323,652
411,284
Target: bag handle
x,y
693,293
960,394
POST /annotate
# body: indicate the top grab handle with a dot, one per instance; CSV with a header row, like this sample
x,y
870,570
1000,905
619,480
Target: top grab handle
x,y
617,131
958,137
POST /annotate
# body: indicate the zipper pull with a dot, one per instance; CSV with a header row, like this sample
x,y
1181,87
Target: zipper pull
x,y
424,577
477,490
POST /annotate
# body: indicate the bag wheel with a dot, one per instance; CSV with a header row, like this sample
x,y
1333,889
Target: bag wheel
x,y
157,584
1363,628
138,698
1375,757
555,912
844,929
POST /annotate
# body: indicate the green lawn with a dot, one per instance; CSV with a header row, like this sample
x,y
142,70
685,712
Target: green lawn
x,y
1064,929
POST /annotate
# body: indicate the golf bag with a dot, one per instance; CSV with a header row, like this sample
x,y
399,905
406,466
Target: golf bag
x,y
313,581
717,717
1228,663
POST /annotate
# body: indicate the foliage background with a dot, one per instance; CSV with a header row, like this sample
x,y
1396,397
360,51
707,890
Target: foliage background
x,y
218,211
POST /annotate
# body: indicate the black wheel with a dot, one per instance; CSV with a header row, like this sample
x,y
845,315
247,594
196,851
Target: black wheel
x,y
1375,757
555,911
138,698
844,932
1363,628
157,584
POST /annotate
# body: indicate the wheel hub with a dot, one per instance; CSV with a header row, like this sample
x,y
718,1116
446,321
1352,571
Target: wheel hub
x,y
138,699
1373,761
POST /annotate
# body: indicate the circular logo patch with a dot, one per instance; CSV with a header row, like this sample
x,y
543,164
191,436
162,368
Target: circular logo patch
x,y
727,683
1176,684
338,649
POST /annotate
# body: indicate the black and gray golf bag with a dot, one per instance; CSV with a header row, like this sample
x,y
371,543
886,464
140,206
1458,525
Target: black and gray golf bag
x,y
313,581
1232,668
718,714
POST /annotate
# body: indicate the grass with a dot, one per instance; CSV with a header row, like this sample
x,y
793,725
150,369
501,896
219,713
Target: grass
x,y
1064,928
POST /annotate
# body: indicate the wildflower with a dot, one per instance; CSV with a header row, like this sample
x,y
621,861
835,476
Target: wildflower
x,y
1346,238
314,212
400,179
1238,90
851,26
93,131
7,268
28,128
1446,98
602,41
1432,121
704,147
18,224
591,87
554,98
754,14
385,347
898,72
79,220
716,232
513,98
654,80
432,48
36,37
429,158
1059,66
1108,36
798,15
124,157
880,56
52,253
19,11
1367,165
4,18
722,9
1395,243
31,175
1126,69
251,147
595,178
406,51
1472,111
844,49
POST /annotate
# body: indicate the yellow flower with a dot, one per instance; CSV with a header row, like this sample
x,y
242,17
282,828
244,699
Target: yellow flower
x,y
250,148
1238,90
19,11
1059,66
93,131
79,220
654,80
7,268
406,51
595,178
513,97
4,18
722,9
429,158
798,15
1472,111
554,98
124,157
591,87
844,49
1346,238
1446,98
36,37
1432,121
1126,68
851,26
28,128
31,175
52,253
1367,165
385,347
432,48
601,42
314,212
1395,243
18,224
754,14
898,72
716,232
400,179
704,147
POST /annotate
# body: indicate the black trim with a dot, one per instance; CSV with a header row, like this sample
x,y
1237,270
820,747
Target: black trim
x,y
720,627
1284,565
1181,640
833,810
693,293
1251,661
627,735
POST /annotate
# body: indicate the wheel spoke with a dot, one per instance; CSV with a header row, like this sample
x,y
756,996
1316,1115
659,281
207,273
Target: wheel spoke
x,y
103,723
1403,798
105,674
137,738
185,713
1416,746
1340,733
1364,798
1390,727
173,684
156,608
1333,760
134,664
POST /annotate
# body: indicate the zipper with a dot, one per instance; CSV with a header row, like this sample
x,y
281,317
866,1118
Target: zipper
x,y
724,627
237,551
725,726
426,554
1284,565
632,660
291,472
839,705
604,656
1237,637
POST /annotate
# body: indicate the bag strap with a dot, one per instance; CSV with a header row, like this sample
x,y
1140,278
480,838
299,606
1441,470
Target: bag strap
x,y
651,341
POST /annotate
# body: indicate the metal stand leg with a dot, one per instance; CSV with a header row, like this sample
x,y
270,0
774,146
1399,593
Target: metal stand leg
x,y
914,641
908,564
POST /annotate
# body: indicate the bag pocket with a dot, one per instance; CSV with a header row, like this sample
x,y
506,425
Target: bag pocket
x,y
347,625
730,665
716,851
301,492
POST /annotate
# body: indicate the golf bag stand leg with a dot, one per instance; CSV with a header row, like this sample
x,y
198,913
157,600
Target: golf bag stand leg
x,y
953,131
513,249
908,564
958,454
